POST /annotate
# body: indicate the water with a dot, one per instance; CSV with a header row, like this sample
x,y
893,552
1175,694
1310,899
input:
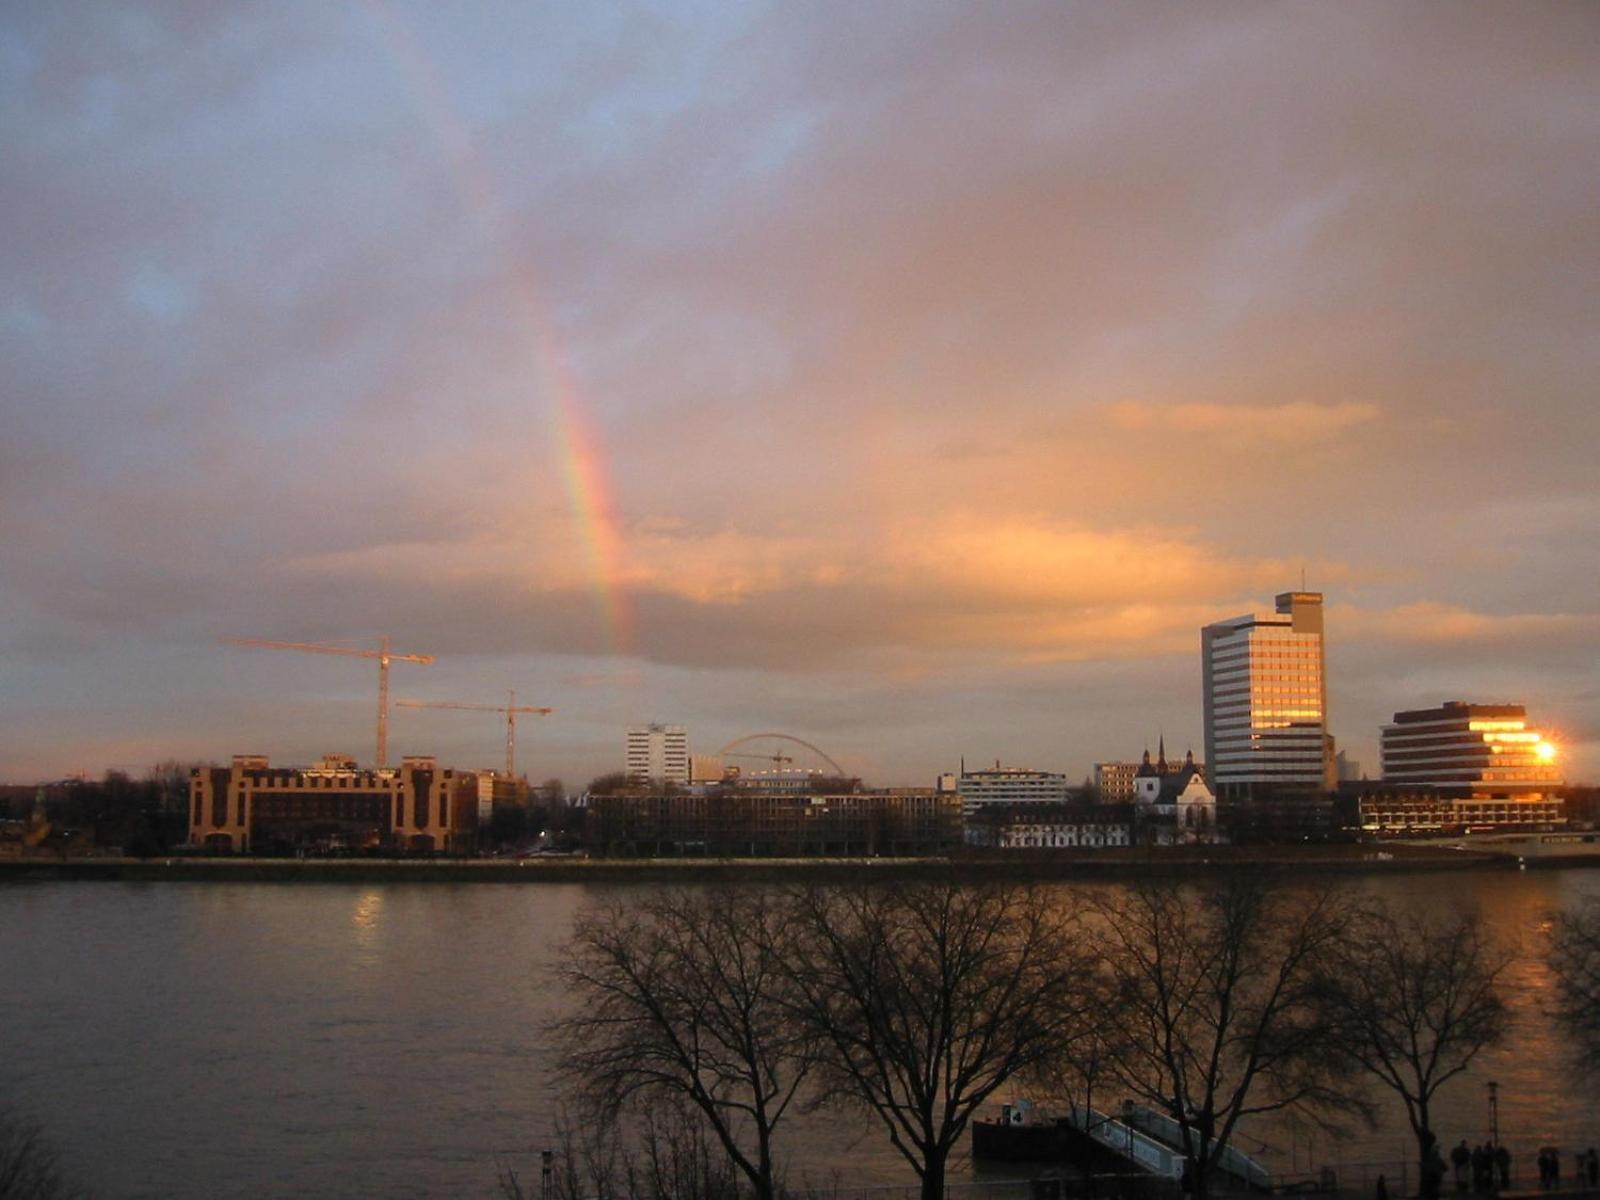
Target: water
x,y
214,1040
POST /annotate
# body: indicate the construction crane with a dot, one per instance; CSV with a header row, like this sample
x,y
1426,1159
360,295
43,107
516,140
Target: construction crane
x,y
384,656
780,758
511,708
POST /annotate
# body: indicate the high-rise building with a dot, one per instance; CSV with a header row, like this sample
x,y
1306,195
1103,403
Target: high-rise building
x,y
1266,701
1483,759
1004,785
659,753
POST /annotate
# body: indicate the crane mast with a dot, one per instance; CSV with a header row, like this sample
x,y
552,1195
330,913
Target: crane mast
x,y
383,654
511,708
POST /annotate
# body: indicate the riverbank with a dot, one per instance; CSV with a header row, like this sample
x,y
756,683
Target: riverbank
x,y
1059,865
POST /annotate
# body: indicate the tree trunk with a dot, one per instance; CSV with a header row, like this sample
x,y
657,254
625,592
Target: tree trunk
x,y
933,1175
1430,1176
762,1185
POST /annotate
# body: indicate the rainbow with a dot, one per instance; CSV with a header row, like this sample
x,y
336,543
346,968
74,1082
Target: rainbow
x,y
577,443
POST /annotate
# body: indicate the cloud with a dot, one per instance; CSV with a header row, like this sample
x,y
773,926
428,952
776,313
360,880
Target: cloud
x,y
1243,427
1434,622
911,342
944,588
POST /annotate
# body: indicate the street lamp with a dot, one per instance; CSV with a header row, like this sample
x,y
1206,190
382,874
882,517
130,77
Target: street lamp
x,y
1494,1113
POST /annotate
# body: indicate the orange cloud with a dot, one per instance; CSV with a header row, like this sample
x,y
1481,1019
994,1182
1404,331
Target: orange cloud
x,y
1298,422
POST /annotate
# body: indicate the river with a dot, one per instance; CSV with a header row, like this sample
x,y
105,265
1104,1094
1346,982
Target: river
x,y
218,1040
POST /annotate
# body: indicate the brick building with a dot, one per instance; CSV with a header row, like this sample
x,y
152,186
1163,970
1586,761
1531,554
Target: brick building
x,y
253,807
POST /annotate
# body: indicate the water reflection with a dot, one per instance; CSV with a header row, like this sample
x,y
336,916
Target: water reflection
x,y
393,1034
368,908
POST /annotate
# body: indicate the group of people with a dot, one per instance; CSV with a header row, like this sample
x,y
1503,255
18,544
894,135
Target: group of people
x,y
1586,1168
1486,1166
1486,1169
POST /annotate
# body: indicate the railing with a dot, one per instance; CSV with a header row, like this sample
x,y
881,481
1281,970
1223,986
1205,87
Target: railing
x,y
1233,1161
1349,1180
1132,1143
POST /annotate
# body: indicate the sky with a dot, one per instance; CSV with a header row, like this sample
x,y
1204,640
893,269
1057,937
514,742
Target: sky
x,y
913,379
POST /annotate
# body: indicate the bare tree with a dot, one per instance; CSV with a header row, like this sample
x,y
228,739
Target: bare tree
x,y
1216,1005
925,998
1413,1000
1575,960
673,1158
685,997
29,1168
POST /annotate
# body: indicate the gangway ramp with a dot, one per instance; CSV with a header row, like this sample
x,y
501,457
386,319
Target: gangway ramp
x,y
1153,1142
1232,1162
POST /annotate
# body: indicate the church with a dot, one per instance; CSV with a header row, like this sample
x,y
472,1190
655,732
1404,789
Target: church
x,y
1173,805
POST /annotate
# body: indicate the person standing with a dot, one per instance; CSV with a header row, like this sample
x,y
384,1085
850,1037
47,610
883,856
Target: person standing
x,y
1432,1168
1381,1192
1459,1158
1502,1164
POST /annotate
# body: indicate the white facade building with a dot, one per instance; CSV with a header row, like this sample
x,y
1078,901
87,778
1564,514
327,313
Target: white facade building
x,y
659,753
1048,827
1005,785
1174,805
1266,700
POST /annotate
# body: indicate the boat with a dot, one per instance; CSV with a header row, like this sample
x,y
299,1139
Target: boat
x,y
1023,1134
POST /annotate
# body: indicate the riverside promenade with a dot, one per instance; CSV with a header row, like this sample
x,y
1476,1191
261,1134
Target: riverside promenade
x,y
1060,865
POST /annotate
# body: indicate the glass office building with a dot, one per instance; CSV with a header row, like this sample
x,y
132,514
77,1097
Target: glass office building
x,y
1486,751
1266,701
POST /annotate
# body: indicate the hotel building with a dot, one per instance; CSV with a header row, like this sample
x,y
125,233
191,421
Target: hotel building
x,y
254,807
1483,764
1004,785
659,753
1266,702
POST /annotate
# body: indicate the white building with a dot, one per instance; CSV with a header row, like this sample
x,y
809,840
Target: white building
x,y
1048,827
1004,785
1265,692
1174,805
659,753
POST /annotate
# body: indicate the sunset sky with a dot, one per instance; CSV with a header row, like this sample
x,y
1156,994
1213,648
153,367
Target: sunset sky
x,y
916,379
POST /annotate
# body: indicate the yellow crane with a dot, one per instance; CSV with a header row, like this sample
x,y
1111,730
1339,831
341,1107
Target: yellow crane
x,y
511,708
384,656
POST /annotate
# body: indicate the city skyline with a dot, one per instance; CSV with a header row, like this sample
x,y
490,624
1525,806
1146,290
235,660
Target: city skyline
x,y
917,386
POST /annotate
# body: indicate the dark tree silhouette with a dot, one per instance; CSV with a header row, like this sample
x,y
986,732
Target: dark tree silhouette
x,y
1575,961
1218,1018
685,997
925,998
1413,1000
29,1167
671,1158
